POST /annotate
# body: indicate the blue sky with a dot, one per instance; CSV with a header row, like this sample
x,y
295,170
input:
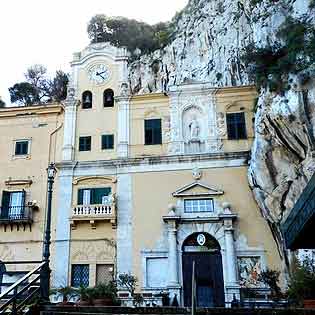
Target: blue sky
x,y
48,32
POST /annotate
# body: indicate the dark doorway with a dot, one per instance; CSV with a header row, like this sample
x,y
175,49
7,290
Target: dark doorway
x,y
209,272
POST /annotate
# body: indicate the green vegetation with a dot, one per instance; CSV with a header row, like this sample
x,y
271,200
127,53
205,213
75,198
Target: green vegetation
x,y
270,66
312,4
302,281
120,31
2,103
38,88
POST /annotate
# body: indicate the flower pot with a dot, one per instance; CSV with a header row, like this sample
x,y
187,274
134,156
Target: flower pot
x,y
309,303
103,302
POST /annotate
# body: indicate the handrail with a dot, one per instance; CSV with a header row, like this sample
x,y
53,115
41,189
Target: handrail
x,y
16,284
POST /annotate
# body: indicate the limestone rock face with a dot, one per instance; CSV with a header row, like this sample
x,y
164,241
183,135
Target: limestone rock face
x,y
210,37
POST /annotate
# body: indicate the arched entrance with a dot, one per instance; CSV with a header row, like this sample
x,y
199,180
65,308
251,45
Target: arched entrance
x,y
206,252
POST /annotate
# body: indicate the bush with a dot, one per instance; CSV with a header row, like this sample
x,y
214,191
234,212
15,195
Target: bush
x,y
270,66
120,31
104,290
302,281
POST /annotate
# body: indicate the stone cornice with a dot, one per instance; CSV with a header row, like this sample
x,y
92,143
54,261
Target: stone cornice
x,y
55,108
157,160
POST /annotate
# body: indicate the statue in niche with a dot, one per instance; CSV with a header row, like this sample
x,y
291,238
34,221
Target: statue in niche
x,y
194,129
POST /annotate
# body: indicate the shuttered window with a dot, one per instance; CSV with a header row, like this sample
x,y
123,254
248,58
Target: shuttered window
x,y
85,143
104,273
236,127
92,196
107,142
152,131
13,204
21,147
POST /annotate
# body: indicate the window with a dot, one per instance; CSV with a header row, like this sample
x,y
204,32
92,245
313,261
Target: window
x,y
104,273
13,204
107,142
236,127
93,196
21,147
152,131
198,205
108,98
85,143
80,276
87,99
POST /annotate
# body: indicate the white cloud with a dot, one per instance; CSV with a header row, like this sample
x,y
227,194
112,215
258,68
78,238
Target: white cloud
x,y
49,31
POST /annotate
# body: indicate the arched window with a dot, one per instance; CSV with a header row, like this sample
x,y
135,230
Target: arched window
x,y
108,98
87,99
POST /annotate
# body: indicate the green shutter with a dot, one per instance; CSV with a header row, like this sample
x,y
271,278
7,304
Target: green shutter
x,y
80,197
98,193
5,204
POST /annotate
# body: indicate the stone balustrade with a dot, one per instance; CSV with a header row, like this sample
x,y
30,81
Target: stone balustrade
x,y
93,213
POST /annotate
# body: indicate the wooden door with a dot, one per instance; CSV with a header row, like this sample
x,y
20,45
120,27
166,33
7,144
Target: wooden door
x,y
209,278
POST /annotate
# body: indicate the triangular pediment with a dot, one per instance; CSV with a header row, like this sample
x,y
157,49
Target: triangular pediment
x,y
196,189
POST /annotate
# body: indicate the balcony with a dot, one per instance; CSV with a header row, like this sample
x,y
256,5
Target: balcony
x,y
16,216
94,213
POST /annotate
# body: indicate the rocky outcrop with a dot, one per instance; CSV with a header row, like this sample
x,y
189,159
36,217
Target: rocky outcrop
x,y
210,37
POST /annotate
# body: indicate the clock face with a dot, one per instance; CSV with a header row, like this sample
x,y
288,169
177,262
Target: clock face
x,y
98,74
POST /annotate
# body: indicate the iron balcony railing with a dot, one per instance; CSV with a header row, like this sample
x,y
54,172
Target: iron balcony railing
x,y
16,213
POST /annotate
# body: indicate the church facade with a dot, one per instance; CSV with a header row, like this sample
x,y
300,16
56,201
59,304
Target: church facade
x,y
147,184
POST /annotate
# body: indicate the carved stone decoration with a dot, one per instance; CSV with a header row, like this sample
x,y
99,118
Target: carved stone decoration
x,y
124,89
167,129
249,271
196,173
101,250
221,127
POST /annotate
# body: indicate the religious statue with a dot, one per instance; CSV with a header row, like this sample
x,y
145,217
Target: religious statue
x,y
194,128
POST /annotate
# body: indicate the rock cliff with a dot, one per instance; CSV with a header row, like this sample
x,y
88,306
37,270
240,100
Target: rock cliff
x,y
210,38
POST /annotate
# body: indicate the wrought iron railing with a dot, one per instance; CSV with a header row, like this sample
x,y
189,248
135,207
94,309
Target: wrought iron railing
x,y
16,213
15,298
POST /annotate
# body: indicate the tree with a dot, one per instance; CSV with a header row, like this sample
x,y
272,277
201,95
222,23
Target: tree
x,y
2,103
23,93
38,88
58,86
120,31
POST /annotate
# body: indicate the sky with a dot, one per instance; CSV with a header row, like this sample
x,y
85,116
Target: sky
x,y
48,32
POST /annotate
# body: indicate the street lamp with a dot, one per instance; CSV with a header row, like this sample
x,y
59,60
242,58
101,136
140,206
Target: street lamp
x,y
45,273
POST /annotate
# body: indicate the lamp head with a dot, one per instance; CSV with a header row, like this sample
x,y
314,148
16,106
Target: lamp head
x,y
51,170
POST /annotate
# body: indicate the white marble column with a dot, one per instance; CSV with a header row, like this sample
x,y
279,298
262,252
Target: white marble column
x,y
172,254
173,279
230,255
123,125
69,128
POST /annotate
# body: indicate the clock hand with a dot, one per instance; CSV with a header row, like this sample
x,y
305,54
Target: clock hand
x,y
100,74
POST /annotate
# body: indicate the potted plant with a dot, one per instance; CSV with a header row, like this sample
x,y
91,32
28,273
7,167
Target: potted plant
x,y
301,290
85,295
104,294
65,292
129,282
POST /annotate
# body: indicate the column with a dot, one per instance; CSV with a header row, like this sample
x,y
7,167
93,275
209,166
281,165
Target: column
x,y
173,284
123,125
172,254
232,288
69,126
230,254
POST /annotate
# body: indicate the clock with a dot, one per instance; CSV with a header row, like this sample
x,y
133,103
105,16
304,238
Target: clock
x,y
98,73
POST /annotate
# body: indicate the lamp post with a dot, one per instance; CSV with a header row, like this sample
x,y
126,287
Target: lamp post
x,y
45,273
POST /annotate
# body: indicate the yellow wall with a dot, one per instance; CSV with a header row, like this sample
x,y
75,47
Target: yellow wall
x,y
150,203
97,120
152,106
43,126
